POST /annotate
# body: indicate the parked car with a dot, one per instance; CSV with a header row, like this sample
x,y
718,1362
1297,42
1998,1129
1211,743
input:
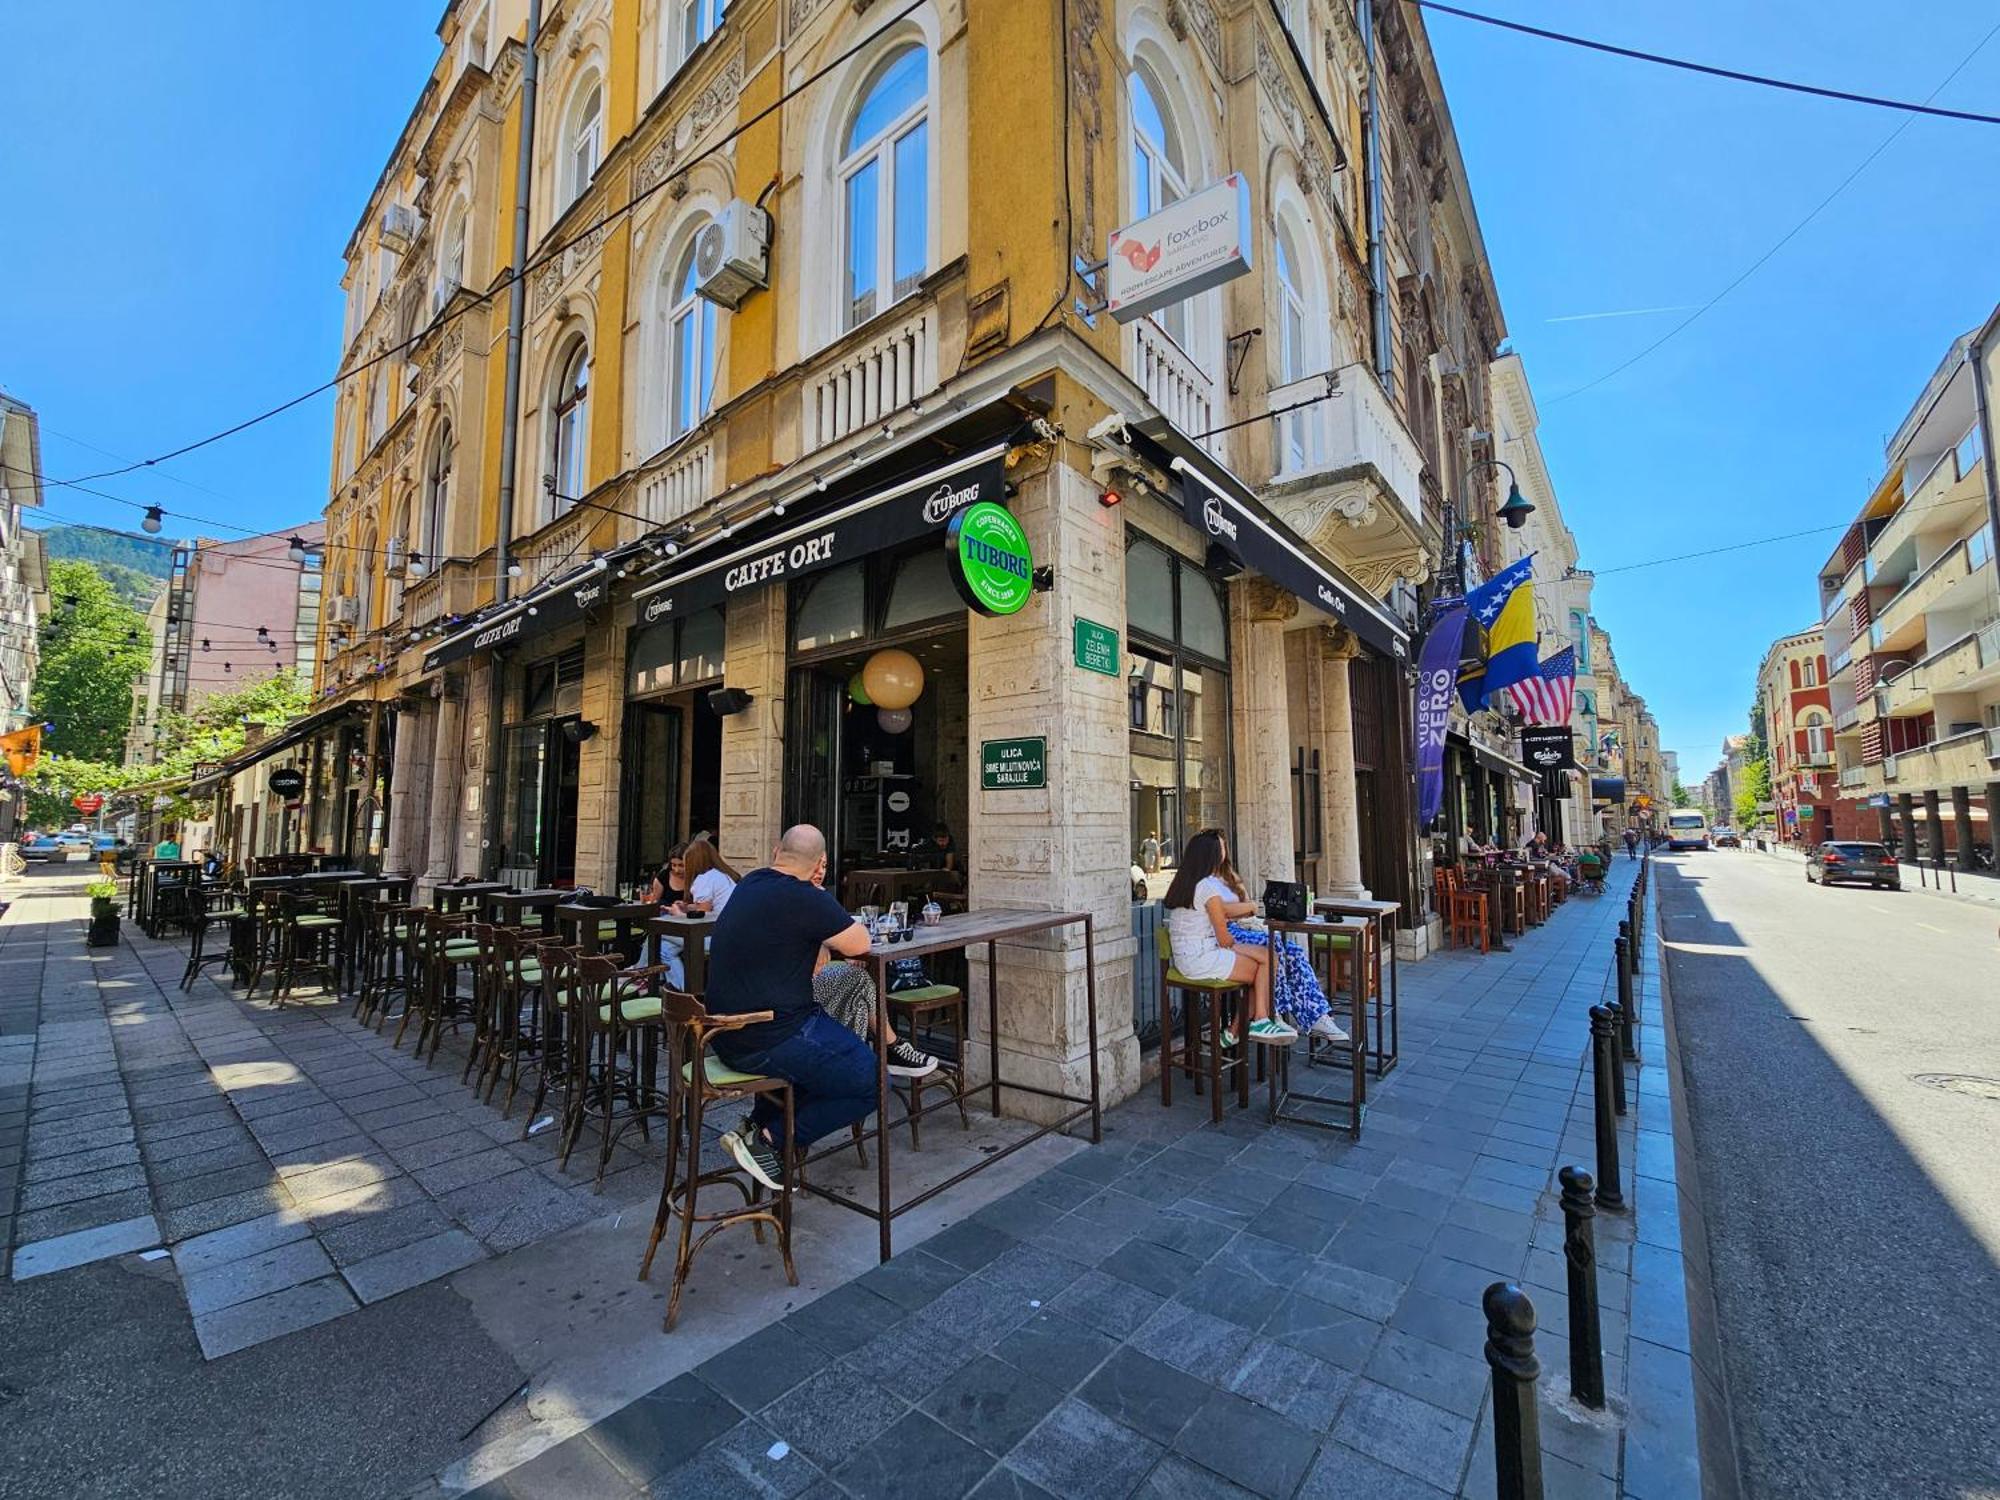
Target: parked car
x,y
1725,838
43,847
106,843
1839,861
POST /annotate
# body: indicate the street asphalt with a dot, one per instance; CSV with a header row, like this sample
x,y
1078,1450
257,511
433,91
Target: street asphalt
x,y
1842,1056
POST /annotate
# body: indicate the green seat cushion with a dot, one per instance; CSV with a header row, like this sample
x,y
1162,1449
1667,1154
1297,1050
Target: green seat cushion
x,y
399,932
1175,976
718,1072
315,921
526,970
1340,942
923,994
639,1008
459,948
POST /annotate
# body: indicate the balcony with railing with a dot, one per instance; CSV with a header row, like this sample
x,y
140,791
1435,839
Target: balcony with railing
x,y
1961,760
1899,623
678,483
859,383
1179,388
1356,433
1852,777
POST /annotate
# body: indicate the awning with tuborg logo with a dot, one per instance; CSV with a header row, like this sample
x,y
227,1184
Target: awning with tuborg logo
x,y
550,607
905,512
1225,510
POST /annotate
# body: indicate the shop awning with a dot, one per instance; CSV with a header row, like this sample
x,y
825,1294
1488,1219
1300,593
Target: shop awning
x,y
1225,510
550,607
1494,760
295,733
904,512
1607,788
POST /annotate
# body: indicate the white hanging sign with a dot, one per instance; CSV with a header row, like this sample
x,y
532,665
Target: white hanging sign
x,y
1187,247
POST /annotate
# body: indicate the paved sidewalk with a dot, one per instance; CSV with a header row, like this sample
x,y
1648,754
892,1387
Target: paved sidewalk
x,y
1192,1310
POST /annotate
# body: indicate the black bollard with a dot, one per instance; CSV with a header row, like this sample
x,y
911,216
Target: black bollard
x,y
1517,1422
1620,1047
1586,1338
1624,954
1601,1046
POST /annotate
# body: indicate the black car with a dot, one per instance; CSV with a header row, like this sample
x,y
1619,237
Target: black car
x,y
1725,838
1840,861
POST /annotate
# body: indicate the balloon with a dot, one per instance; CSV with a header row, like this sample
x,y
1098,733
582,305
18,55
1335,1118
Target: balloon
x,y
894,679
858,691
893,720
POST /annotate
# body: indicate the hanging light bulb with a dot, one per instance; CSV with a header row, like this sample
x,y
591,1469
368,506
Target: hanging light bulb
x,y
513,570
263,632
296,551
417,568
150,522
778,509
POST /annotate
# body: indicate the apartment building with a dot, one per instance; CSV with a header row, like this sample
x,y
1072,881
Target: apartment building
x,y
24,588
1795,708
1912,624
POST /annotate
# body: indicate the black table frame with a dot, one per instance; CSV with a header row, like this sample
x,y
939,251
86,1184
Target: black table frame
x,y
1389,1008
1283,1097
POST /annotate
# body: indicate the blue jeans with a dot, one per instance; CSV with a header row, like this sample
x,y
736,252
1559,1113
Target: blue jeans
x,y
832,1073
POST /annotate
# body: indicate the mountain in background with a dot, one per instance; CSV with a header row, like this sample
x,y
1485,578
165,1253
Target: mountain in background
x,y
135,566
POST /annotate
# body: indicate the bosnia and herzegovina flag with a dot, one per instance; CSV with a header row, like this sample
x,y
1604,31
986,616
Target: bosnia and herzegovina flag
x,y
1502,610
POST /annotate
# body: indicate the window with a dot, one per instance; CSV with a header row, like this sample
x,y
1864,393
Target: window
x,y
922,590
378,406
1968,451
1159,177
1816,737
451,256
690,350
369,563
1809,673
833,610
884,176
1178,687
1292,356
675,653
569,432
583,142
692,22
437,495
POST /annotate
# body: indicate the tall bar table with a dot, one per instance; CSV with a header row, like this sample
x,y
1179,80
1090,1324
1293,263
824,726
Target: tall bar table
x,y
1383,1055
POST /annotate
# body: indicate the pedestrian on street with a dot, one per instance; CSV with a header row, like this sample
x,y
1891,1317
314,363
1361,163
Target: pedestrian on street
x,y
1631,843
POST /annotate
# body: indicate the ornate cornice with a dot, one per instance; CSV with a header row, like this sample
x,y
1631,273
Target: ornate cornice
x,y
709,105
1199,17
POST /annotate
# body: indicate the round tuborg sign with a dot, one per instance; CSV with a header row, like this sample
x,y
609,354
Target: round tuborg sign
x,y
287,781
990,563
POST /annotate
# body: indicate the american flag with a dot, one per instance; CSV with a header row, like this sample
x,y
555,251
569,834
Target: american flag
x,y
1546,698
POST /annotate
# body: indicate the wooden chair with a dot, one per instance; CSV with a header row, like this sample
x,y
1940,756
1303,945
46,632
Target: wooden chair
x,y
308,942
1467,914
614,1028
385,931
700,1079
1213,998
925,1006
441,943
513,1010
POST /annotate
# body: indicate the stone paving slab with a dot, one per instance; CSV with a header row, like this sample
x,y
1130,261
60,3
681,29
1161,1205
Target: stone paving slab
x,y
1201,1310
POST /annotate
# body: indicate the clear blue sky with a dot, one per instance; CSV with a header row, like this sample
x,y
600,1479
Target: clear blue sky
x,y
183,191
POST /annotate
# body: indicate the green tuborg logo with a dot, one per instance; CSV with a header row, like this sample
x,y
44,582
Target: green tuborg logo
x,y
990,563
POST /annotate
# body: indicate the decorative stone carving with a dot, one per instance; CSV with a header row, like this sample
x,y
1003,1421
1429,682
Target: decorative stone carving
x,y
802,13
1086,107
1338,643
1351,505
1265,601
709,106
1199,17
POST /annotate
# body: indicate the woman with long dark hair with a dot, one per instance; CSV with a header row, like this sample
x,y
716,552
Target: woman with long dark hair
x,y
1200,904
670,885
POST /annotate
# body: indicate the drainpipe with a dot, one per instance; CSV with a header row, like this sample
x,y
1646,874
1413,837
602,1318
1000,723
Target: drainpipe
x,y
1983,399
1371,137
510,431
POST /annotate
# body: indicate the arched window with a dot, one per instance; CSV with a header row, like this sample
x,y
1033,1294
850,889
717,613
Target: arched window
x,y
690,349
370,562
884,176
451,256
583,142
1159,176
569,429
1579,629
1293,358
691,22
437,495
396,560
378,405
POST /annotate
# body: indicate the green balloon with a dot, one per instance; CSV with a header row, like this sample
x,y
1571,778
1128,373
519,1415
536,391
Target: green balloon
x,y
857,692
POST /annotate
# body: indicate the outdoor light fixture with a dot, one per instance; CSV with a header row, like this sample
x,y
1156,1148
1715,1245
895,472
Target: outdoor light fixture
x,y
513,570
150,522
296,551
1516,510
724,701
1109,496
416,567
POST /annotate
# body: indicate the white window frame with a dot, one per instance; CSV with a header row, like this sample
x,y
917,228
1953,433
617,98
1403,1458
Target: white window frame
x,y
1294,357
1165,182
879,150
452,251
437,492
584,129
702,316
569,429
689,23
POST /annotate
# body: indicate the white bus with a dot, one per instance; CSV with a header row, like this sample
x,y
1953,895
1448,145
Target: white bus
x,y
1687,828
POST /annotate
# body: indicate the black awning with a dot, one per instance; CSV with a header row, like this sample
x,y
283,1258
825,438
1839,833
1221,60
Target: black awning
x,y
549,607
904,512
1607,788
1226,511
293,734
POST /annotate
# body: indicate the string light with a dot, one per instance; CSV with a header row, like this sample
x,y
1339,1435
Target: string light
x,y
150,522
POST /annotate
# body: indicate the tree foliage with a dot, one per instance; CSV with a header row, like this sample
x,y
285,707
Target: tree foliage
x,y
1755,790
92,647
1681,797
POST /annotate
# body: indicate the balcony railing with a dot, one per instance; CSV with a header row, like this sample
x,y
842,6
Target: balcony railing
x,y
873,379
680,486
1816,760
1961,760
1846,719
1851,776
1993,744
1928,587
563,545
1357,428
1175,384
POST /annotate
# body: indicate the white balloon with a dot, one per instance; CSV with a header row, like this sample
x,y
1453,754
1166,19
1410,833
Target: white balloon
x,y
893,720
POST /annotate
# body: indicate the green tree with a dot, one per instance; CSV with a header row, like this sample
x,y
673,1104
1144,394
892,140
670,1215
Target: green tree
x,y
57,779
1681,797
1756,789
93,645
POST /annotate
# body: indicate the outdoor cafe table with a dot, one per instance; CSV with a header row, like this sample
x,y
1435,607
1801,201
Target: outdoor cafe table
x,y
453,898
991,926
1306,1106
158,877
1387,1021
355,892
1499,883
899,884
526,911
692,929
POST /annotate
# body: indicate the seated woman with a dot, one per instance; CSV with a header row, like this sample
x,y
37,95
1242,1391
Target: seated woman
x,y
1295,990
670,886
710,879
1200,905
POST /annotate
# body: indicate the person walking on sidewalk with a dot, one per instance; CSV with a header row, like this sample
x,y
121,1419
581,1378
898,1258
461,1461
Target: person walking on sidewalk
x,y
1631,843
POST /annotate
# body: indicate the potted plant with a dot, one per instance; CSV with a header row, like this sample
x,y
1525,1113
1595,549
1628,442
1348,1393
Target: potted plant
x,y
103,913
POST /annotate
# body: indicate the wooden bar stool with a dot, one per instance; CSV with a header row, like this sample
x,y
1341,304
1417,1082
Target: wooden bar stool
x,y
514,1010
207,907
1213,998
699,1080
308,942
614,1035
924,1006
384,943
1467,914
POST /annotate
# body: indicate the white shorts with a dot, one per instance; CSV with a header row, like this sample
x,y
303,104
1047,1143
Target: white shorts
x,y
1216,963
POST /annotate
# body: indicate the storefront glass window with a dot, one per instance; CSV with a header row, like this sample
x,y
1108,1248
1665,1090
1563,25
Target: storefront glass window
x,y
922,591
674,653
1177,682
701,647
650,667
833,610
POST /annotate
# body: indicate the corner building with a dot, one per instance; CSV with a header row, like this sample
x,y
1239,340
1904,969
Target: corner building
x,y
1232,506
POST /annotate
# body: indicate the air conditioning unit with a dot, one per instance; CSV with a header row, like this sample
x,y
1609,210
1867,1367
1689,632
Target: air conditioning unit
x,y
398,227
732,254
343,610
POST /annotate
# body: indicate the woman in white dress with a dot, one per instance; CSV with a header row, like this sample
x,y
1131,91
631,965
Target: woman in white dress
x,y
1200,906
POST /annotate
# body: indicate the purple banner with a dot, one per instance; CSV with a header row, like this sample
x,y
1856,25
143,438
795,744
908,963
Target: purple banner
x,y
1437,678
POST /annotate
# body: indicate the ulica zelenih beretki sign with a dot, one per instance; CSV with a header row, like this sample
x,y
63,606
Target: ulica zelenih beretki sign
x,y
1096,647
990,563
1014,765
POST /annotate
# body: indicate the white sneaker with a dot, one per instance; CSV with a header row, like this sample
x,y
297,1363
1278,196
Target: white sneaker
x,y
1328,1030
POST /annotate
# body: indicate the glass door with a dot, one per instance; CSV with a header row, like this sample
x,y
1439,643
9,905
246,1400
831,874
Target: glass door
x,y
649,790
813,730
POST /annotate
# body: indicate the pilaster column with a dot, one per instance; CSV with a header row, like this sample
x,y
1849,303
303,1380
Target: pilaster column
x,y
1961,818
1934,824
1261,730
599,757
409,785
1906,805
753,742
1888,821
1343,814
447,750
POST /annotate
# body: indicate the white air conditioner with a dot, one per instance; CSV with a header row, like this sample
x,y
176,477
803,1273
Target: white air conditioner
x,y
343,610
398,228
732,254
